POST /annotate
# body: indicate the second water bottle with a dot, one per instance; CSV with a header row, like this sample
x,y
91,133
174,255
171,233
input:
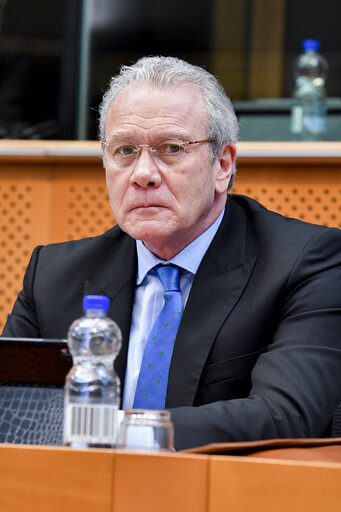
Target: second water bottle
x,y
309,111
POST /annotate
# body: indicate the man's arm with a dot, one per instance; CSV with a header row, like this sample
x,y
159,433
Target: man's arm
x,y
22,322
296,383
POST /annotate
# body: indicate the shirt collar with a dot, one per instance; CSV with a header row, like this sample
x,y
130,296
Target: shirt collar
x,y
189,258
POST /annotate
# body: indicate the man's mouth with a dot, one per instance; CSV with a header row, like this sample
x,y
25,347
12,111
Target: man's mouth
x,y
148,205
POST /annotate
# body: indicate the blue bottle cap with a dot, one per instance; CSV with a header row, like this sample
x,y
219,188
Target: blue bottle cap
x,y
95,302
311,44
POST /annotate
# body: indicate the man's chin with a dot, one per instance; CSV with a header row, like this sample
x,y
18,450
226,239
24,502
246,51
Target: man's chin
x,y
146,230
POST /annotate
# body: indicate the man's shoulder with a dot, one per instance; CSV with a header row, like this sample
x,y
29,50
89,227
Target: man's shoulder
x,y
269,233
114,239
258,214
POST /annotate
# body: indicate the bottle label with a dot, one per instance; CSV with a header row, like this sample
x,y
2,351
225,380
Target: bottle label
x,y
91,424
296,119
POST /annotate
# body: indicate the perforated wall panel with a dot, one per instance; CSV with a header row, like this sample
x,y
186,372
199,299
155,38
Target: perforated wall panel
x,y
56,199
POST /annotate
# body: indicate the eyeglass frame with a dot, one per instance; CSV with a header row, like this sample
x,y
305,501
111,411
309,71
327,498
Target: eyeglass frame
x,y
152,149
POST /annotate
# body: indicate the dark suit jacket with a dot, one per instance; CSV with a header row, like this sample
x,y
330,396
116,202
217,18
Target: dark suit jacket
x,y
258,351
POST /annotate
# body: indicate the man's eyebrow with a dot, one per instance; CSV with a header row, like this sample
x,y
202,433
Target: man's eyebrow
x,y
175,135
120,136
169,134
161,136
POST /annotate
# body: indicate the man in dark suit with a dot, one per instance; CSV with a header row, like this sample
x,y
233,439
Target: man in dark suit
x,y
258,352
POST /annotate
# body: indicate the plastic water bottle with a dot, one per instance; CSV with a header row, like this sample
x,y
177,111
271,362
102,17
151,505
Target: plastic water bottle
x,y
92,388
309,111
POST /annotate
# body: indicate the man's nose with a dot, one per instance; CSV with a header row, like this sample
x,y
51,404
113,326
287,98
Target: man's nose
x,y
145,172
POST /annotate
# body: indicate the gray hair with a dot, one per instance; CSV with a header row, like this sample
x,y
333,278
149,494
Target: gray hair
x,y
167,72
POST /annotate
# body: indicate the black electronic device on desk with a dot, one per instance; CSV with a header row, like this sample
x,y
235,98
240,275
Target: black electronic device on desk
x,y
32,377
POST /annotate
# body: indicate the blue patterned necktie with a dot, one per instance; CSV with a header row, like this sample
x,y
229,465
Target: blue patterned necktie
x,y
153,378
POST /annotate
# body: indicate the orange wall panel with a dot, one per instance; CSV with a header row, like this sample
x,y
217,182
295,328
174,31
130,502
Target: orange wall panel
x,y
56,191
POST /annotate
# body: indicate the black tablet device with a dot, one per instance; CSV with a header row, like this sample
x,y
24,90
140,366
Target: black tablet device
x,y
31,361
32,378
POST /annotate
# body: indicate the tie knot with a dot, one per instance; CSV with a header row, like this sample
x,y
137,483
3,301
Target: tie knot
x,y
169,276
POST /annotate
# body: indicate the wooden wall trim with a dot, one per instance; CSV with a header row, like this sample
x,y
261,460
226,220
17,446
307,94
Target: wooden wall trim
x,y
27,151
21,150
268,153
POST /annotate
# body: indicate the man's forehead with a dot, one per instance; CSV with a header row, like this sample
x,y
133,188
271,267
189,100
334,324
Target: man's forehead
x,y
146,106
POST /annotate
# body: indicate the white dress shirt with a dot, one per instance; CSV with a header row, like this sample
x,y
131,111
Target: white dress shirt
x,y
149,300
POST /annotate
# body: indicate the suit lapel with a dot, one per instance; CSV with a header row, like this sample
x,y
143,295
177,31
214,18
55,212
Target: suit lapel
x,y
217,286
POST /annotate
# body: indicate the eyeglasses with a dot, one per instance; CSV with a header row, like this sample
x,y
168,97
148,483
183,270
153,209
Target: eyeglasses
x,y
168,151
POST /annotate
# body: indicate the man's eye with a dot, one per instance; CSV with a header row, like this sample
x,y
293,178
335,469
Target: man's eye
x,y
126,150
170,149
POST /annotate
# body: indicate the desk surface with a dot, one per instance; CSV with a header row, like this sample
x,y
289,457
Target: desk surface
x,y
45,479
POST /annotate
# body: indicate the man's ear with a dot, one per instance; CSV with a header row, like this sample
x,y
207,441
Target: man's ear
x,y
225,161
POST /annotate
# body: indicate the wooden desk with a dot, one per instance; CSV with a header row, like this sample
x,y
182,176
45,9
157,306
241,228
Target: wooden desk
x,y
52,191
44,479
